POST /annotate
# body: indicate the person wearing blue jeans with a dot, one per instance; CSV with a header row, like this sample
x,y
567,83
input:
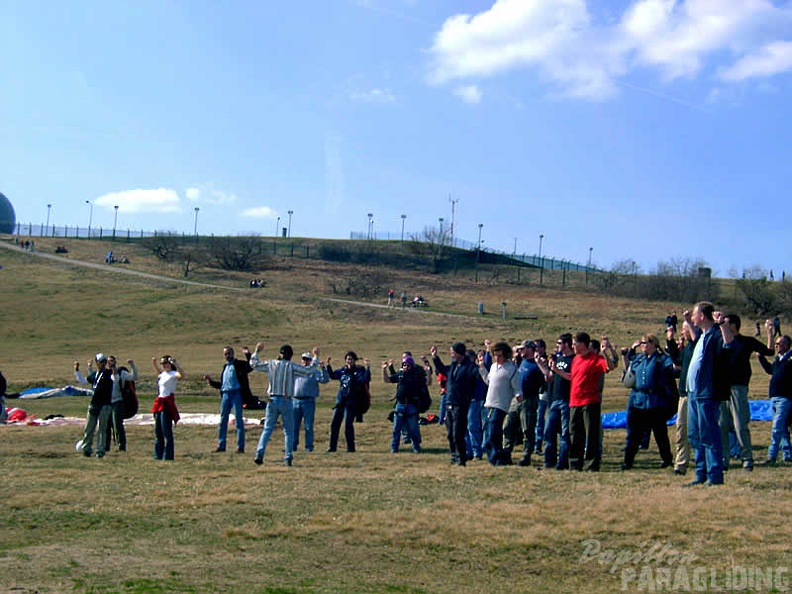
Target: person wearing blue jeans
x,y
780,391
280,374
234,387
707,386
306,391
405,417
279,406
477,415
410,382
558,391
504,382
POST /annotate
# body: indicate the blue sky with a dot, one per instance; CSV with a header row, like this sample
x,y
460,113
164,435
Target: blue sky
x,y
648,130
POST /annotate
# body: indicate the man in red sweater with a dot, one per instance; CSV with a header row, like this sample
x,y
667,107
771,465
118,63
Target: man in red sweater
x,y
585,404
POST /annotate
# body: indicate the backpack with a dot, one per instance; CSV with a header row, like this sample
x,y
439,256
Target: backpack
x,y
424,399
129,396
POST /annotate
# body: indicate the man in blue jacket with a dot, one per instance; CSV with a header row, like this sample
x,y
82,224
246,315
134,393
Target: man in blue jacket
x,y
707,386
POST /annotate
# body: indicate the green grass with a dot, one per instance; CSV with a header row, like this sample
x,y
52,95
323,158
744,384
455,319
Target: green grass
x,y
364,522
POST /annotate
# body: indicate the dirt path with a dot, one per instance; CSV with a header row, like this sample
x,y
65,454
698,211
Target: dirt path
x,y
116,269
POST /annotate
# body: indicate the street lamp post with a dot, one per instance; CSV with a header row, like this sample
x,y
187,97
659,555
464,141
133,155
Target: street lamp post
x,y
370,232
195,227
591,249
115,221
291,212
46,227
90,217
478,245
541,262
277,224
403,217
440,237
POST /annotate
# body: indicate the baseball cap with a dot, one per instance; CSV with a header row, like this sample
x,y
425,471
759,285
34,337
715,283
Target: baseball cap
x,y
528,344
101,357
307,355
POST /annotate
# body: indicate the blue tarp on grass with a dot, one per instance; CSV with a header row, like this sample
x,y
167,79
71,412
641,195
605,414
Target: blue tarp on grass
x,y
761,410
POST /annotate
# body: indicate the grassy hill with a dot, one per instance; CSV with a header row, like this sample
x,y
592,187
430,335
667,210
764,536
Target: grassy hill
x,y
364,522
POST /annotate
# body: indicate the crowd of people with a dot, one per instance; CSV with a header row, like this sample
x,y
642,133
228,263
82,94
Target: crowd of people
x,y
500,398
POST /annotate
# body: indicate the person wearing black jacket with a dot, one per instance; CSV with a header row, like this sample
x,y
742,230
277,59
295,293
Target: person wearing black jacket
x,y
99,411
735,412
462,375
410,383
234,387
780,392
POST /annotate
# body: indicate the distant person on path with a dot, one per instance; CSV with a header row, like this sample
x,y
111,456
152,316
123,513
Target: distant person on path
x,y
99,410
780,392
166,415
671,321
391,296
404,300
280,373
234,386
306,391
353,385
776,326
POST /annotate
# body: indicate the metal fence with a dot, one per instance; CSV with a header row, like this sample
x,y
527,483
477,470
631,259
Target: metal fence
x,y
543,262
66,231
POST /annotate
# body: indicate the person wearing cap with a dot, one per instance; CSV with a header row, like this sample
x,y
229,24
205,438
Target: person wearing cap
x,y
462,376
280,373
306,390
234,386
99,410
410,383
503,384
521,418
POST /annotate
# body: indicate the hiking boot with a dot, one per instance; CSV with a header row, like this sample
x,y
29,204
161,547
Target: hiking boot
x,y
679,471
768,462
258,461
287,462
240,450
219,449
525,461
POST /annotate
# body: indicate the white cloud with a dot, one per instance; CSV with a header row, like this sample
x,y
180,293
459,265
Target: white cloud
x,y
771,59
468,93
260,212
159,200
562,41
382,96
209,195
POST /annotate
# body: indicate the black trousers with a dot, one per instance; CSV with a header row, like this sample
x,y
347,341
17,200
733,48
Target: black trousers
x,y
456,430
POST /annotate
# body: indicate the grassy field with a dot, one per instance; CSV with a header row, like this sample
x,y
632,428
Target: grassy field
x,y
364,522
